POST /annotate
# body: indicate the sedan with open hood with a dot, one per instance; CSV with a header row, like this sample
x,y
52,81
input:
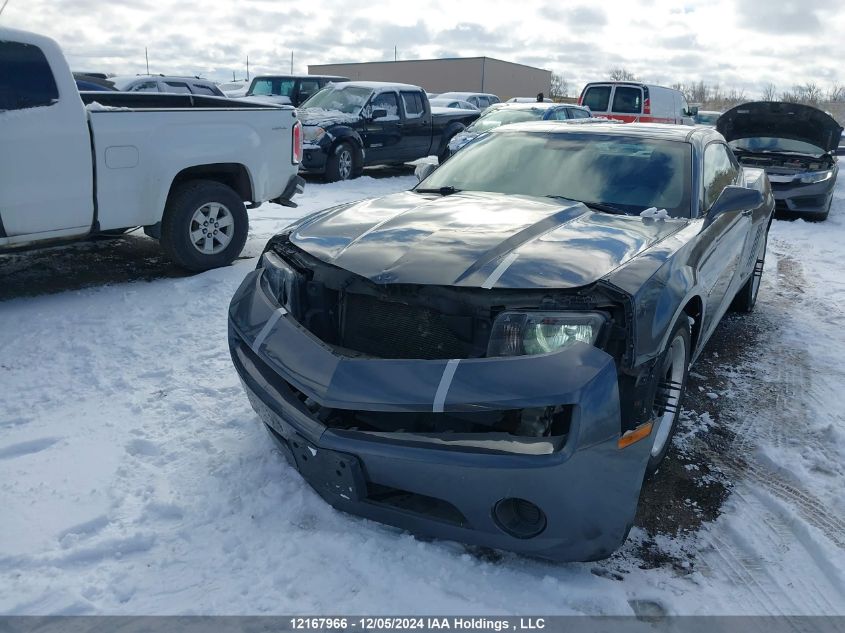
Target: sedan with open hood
x,y
795,144
498,356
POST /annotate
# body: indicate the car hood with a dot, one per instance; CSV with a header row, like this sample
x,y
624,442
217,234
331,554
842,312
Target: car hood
x,y
477,239
780,120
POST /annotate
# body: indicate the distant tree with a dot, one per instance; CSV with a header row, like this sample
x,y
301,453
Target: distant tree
x,y
770,92
836,92
621,74
810,93
560,86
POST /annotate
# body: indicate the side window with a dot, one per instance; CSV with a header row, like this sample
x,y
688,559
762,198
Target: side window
x,y
560,114
414,108
26,80
199,89
628,100
308,87
597,98
578,113
146,86
719,172
389,102
474,101
176,86
483,102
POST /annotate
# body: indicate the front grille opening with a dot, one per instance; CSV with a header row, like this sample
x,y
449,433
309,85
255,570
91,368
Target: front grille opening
x,y
429,507
387,329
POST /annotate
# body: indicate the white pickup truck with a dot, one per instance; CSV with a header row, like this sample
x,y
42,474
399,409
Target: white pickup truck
x,y
184,167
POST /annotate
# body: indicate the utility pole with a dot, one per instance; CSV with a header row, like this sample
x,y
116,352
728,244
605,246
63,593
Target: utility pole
x,y
147,57
395,53
4,6
247,67
291,62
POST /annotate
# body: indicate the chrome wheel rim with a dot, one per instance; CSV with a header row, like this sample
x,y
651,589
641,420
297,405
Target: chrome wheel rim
x,y
344,164
669,394
212,228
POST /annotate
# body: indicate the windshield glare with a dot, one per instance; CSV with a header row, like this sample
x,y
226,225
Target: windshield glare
x,y
348,99
773,144
629,173
503,116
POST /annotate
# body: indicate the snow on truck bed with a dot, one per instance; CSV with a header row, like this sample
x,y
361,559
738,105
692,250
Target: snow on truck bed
x,y
136,479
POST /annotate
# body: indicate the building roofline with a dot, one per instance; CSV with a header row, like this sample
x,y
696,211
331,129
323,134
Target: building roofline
x,y
432,59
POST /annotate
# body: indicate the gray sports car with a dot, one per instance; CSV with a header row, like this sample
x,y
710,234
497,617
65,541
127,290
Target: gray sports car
x,y
498,356
796,145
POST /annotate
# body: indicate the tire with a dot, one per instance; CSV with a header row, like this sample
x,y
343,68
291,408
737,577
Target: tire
x,y
343,163
671,381
746,297
190,211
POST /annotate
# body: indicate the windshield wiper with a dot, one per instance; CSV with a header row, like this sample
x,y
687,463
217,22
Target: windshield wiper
x,y
448,190
596,206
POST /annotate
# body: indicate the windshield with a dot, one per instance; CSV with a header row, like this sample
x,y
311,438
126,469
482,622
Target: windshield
x,y
629,173
276,86
774,144
340,98
503,116
707,118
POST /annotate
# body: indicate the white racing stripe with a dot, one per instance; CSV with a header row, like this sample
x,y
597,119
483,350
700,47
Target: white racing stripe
x,y
445,383
265,331
500,270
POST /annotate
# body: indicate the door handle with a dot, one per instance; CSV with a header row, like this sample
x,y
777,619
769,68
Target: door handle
x,y
747,213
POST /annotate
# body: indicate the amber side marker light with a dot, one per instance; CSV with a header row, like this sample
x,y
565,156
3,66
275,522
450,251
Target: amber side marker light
x,y
635,435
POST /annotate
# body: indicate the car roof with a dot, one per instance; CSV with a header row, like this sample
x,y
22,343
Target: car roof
x,y
464,95
659,131
386,85
290,76
130,78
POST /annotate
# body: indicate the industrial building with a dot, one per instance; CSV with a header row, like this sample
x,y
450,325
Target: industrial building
x,y
465,74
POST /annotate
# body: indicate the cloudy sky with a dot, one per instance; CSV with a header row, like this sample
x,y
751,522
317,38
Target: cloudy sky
x,y
736,43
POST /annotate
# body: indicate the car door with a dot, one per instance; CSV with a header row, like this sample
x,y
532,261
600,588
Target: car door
x,y
416,125
46,173
627,104
597,97
724,240
382,135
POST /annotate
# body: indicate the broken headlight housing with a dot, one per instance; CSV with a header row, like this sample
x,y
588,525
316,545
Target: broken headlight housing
x,y
526,333
277,278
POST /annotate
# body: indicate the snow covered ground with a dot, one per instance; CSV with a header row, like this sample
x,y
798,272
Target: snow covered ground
x,y
135,478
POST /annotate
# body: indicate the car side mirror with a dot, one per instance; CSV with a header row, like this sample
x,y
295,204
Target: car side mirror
x,y
380,113
424,170
732,199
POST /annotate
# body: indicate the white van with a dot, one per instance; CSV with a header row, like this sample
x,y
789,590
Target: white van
x,y
634,102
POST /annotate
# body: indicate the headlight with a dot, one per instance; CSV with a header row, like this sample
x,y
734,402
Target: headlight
x,y
521,333
277,278
817,176
312,133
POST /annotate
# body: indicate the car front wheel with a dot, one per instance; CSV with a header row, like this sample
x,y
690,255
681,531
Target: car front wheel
x,y
671,379
341,164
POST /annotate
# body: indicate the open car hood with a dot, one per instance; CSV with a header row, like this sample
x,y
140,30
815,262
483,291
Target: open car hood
x,y
777,119
476,239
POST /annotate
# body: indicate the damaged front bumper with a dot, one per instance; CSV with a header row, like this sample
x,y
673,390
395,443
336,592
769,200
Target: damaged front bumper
x,y
567,498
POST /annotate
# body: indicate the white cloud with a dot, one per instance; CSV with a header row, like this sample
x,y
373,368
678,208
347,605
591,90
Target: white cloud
x,y
742,43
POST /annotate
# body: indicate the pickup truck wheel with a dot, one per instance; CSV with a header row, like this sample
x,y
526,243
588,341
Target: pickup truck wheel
x,y
341,163
746,298
671,377
204,225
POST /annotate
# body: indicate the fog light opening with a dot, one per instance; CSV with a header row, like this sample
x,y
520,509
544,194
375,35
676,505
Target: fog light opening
x,y
519,518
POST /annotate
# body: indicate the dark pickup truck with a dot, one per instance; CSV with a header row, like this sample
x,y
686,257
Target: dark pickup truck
x,y
357,124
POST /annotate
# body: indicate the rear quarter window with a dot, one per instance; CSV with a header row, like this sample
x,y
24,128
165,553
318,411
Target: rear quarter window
x,y
597,98
413,103
26,80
